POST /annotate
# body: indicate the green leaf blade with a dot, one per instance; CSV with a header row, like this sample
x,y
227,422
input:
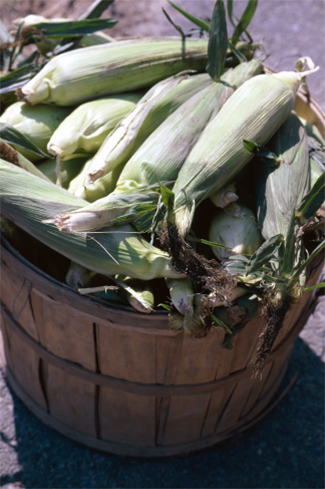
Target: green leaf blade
x,y
72,29
290,242
218,41
204,25
264,254
96,9
11,136
244,21
221,324
313,200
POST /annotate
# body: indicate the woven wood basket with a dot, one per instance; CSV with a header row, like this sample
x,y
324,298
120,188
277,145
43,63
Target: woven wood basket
x,y
121,381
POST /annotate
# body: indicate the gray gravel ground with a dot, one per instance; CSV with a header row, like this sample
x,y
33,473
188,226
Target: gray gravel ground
x,y
284,450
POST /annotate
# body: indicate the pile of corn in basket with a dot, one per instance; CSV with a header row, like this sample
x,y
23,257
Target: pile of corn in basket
x,y
164,173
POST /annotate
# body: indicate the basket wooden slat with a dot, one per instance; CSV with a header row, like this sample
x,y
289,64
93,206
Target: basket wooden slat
x,y
127,390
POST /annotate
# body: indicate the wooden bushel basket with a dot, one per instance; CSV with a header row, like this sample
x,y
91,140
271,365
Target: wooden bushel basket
x,y
122,381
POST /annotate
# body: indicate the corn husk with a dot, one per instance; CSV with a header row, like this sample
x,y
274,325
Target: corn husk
x,y
281,185
69,170
93,40
86,128
313,133
316,145
161,156
92,72
255,112
315,172
78,276
137,293
159,102
103,186
224,196
37,123
30,203
181,294
241,234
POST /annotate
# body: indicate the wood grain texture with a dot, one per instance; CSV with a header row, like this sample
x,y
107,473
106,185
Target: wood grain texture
x,y
25,364
127,418
71,400
67,336
15,294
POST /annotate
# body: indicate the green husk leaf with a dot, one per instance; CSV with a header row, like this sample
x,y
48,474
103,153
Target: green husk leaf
x,y
230,12
218,41
137,295
204,241
11,136
264,254
220,323
165,306
313,200
259,150
96,9
71,29
240,56
17,78
305,263
167,197
313,287
244,21
290,242
204,25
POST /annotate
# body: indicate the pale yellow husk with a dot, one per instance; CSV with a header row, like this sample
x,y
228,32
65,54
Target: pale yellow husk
x,y
92,72
37,123
31,203
86,128
255,112
161,156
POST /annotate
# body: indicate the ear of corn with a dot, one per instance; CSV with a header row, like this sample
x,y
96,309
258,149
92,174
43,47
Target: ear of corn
x,y
182,294
158,103
31,202
38,123
281,185
102,186
78,276
88,73
255,112
85,129
224,196
137,292
161,156
239,233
